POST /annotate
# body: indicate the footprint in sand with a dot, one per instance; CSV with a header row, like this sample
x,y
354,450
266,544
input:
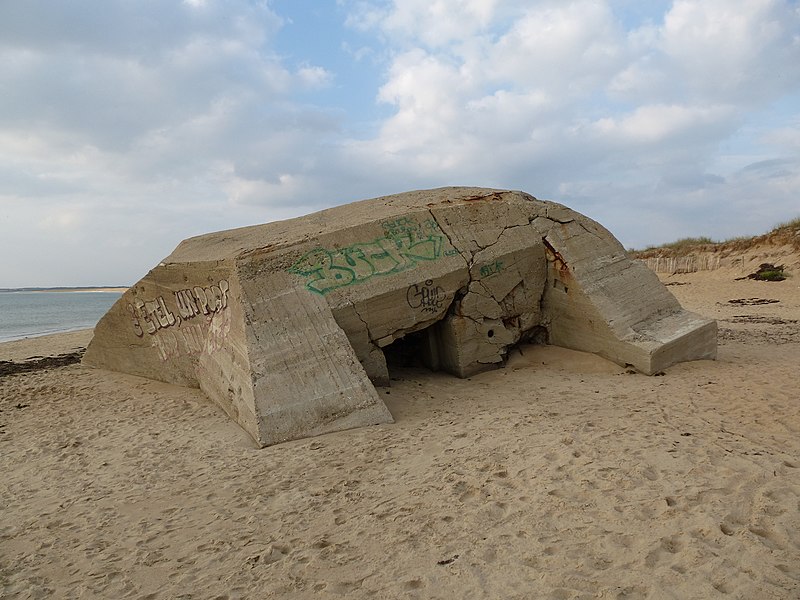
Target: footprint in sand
x,y
793,572
667,547
466,492
650,473
633,593
723,587
767,537
414,584
275,553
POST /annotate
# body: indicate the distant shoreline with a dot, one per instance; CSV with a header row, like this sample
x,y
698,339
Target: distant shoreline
x,y
120,290
55,335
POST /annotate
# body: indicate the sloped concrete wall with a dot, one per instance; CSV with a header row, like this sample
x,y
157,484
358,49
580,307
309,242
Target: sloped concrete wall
x,y
284,325
598,300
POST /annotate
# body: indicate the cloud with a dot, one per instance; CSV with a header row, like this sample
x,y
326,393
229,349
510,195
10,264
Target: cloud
x,y
434,22
653,125
148,110
126,127
786,138
737,42
146,30
564,97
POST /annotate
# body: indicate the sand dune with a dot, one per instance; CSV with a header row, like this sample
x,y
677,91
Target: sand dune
x,y
560,476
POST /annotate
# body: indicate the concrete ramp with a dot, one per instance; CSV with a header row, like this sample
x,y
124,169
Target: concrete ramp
x,y
305,377
287,325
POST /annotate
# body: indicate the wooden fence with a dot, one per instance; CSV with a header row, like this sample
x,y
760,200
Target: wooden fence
x,y
683,264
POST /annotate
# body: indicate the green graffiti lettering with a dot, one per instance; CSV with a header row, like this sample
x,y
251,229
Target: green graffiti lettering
x,y
318,266
404,244
429,249
492,269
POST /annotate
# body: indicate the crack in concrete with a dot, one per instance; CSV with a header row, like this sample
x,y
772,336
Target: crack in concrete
x,y
594,234
449,239
468,262
556,254
497,239
366,326
547,215
488,293
474,320
471,260
544,321
496,194
499,235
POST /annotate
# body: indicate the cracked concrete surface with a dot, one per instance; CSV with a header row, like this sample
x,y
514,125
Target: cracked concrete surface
x,y
453,277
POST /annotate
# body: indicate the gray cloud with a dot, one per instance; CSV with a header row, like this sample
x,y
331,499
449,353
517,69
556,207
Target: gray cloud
x,y
126,127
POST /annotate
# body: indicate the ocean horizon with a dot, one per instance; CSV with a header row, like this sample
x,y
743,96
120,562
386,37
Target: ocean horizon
x,y
34,312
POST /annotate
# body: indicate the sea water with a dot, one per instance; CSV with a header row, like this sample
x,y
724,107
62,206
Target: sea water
x,y
29,314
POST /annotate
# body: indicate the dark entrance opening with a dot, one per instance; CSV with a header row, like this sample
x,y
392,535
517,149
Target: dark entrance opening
x,y
413,350
537,335
427,349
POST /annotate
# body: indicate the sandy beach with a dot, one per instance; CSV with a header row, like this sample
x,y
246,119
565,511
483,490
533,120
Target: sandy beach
x,y
87,290
560,476
79,290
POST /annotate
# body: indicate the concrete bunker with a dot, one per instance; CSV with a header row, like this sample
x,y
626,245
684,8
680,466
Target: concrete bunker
x,y
287,325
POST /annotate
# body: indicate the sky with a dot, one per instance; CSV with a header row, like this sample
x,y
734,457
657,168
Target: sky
x,y
127,126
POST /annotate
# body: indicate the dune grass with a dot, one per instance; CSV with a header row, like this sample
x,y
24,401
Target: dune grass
x,y
788,232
